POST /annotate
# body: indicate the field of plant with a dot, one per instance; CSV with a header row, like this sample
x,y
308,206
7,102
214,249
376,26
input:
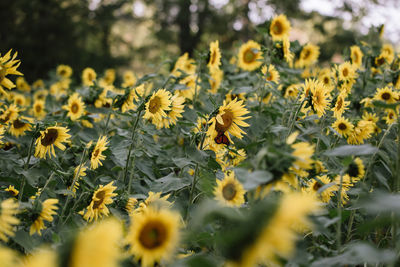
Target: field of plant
x,y
257,156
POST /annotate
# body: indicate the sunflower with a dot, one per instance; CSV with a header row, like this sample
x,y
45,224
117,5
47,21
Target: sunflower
x,y
129,79
64,71
316,96
12,191
38,109
9,114
98,245
316,184
40,94
8,210
75,107
270,73
20,125
370,117
9,258
154,201
279,28
77,176
184,64
52,136
340,105
109,77
190,83
386,94
38,84
215,56
97,207
8,66
157,106
88,76
97,155
215,80
153,235
292,91
347,72
130,205
287,54
388,52
343,126
48,209
230,116
2,131
356,56
391,116
20,100
41,257
177,108
356,170
229,191
308,55
302,152
129,102
361,132
250,56
325,76
22,84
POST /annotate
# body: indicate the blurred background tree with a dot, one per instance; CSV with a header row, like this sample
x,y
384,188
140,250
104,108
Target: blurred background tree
x,y
137,34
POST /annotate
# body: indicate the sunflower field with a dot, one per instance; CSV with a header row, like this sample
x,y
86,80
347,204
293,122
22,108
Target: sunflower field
x,y
256,156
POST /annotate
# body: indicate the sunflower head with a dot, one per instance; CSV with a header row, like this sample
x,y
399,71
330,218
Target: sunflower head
x,y
250,56
279,28
52,136
229,191
215,56
308,55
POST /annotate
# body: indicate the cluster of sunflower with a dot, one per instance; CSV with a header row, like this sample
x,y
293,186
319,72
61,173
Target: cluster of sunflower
x,y
220,159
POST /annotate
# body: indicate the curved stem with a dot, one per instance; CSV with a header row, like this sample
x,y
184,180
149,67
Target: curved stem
x,y
26,165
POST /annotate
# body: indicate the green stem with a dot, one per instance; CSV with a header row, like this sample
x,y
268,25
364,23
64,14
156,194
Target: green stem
x,y
26,165
107,122
339,211
194,183
76,176
131,146
196,84
293,119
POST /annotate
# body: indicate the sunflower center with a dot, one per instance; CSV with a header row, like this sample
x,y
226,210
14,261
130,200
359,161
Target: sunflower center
x,y
342,126
386,96
339,103
380,61
277,28
345,72
49,137
229,191
155,104
353,170
6,118
317,186
153,235
38,108
96,153
17,124
63,72
326,80
90,76
74,108
100,196
213,58
306,54
249,56
227,119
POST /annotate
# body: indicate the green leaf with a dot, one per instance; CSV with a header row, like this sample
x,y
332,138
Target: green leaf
x,y
348,150
250,180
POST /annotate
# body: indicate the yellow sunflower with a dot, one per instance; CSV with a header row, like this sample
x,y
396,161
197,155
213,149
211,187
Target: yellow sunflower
x,y
386,94
215,56
356,170
391,116
98,245
8,210
129,79
316,184
9,114
12,191
20,125
154,235
52,136
356,56
2,131
130,204
97,156
88,76
38,109
40,94
229,191
177,108
215,80
8,66
292,91
20,100
287,54
347,72
270,73
157,106
22,84
190,83
230,116
77,176
341,105
46,214
388,52
308,55
38,84
316,96
9,257
249,56
361,132
343,126
279,28
75,107
64,71
97,207
41,257
184,64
